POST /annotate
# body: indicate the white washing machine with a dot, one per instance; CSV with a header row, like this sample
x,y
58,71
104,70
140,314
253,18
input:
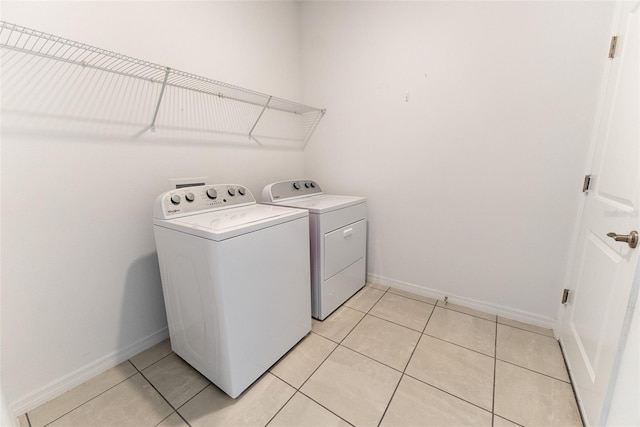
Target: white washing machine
x,y
235,278
338,236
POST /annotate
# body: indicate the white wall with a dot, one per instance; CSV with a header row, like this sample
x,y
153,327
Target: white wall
x,y
80,280
473,183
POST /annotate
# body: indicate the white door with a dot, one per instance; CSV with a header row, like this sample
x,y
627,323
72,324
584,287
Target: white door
x,y
598,310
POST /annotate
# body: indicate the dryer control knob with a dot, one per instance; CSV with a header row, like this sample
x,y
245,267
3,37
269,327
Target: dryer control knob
x,y
212,193
231,192
190,197
242,191
307,184
312,184
296,185
175,199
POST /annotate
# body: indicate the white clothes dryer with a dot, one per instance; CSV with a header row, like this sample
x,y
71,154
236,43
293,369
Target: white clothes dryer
x,y
235,279
338,240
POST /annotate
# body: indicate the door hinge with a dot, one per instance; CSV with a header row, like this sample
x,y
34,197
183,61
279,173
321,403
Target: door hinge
x,y
565,296
612,47
586,183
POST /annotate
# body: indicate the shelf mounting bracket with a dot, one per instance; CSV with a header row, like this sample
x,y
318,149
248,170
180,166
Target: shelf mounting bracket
x,y
266,105
155,114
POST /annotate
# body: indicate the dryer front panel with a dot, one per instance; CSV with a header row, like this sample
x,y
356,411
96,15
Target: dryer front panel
x,y
343,247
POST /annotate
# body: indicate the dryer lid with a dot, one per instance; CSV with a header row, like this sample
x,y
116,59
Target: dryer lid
x,y
322,203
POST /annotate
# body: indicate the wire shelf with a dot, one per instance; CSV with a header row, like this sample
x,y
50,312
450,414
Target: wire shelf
x,y
50,83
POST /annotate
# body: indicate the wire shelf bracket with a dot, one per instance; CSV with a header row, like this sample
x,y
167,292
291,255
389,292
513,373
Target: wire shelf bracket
x,y
155,113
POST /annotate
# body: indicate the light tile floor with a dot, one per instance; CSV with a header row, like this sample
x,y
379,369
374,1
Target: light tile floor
x,y
386,357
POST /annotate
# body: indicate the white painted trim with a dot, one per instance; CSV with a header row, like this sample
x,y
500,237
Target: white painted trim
x,y
573,384
500,310
61,385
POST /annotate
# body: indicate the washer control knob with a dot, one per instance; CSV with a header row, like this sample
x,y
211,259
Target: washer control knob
x,y
307,185
312,184
242,191
212,193
231,192
190,197
175,199
296,185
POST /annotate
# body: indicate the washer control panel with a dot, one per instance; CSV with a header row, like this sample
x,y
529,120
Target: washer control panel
x,y
290,189
189,200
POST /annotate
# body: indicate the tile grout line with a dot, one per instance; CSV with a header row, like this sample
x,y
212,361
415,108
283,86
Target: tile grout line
x,y
414,349
511,421
483,318
299,389
391,398
320,404
398,324
93,398
284,356
469,314
534,371
336,342
282,379
359,321
157,361
458,345
321,363
332,351
402,373
428,320
451,342
395,323
162,395
373,305
465,314
528,331
285,403
406,366
449,393
431,385
412,298
374,360
191,398
179,416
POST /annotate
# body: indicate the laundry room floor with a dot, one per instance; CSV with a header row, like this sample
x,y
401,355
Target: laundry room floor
x,y
386,357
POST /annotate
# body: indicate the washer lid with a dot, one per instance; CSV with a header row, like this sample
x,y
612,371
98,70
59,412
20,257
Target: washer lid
x,y
228,223
322,203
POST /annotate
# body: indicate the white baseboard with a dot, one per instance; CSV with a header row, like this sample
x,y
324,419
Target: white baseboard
x,y
57,387
508,312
